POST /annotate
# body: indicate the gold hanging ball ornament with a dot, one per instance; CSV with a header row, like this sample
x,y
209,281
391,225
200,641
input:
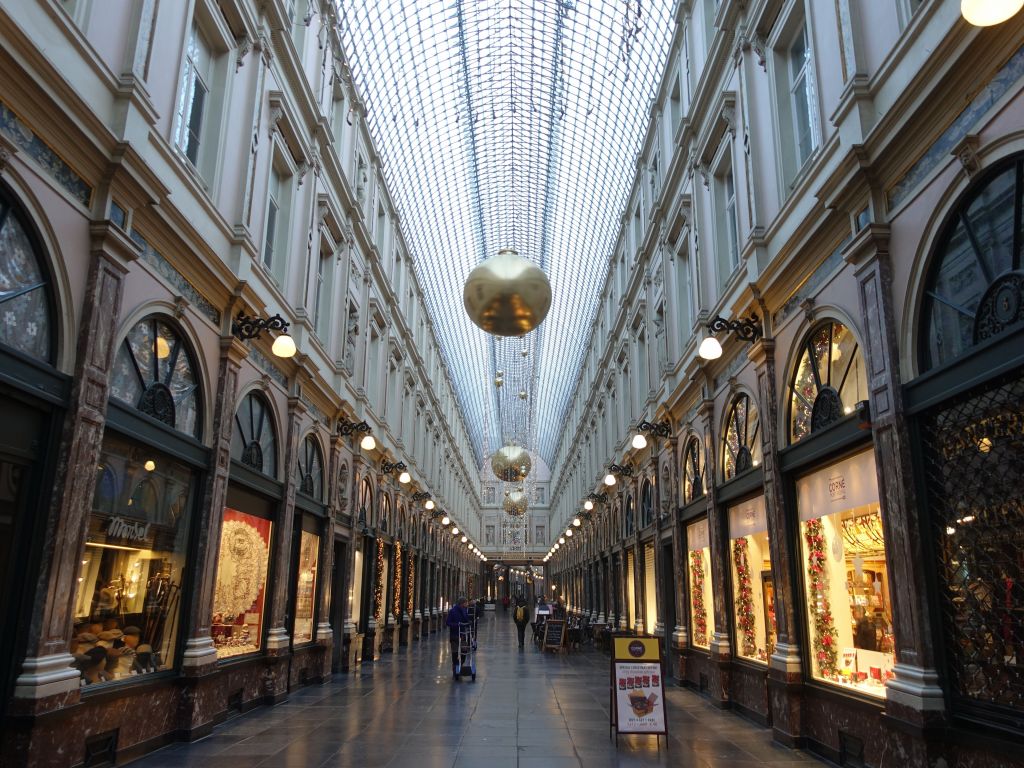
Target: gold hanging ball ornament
x,y
515,504
522,394
511,464
507,295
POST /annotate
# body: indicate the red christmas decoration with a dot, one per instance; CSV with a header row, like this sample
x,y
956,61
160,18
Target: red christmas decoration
x,y
700,614
745,619
825,635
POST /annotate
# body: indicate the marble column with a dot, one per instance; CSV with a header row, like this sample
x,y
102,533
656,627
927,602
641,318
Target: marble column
x,y
913,695
46,681
785,672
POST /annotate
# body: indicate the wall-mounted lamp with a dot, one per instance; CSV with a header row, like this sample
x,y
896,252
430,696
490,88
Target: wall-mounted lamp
x,y
748,329
388,467
615,471
445,520
644,428
346,428
245,327
595,498
455,530
986,13
577,522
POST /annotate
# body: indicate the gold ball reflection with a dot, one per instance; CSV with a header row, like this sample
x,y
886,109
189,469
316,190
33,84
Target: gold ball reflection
x,y
507,295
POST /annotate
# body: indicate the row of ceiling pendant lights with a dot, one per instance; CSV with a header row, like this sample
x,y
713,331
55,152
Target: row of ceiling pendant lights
x,y
639,442
368,443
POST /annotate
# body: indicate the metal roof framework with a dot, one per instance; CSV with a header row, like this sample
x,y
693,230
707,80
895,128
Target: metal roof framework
x,y
509,124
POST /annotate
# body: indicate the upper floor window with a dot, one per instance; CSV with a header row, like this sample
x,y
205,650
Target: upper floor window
x,y
796,95
254,439
802,95
741,446
828,382
24,289
279,194
311,469
974,290
194,95
154,372
727,222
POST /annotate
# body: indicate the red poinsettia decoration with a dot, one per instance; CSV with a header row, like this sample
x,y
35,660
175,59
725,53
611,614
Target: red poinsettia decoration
x,y
825,635
745,620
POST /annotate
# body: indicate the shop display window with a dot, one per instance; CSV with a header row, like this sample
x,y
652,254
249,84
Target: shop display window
x,y
305,590
693,482
702,602
240,591
128,596
846,575
752,587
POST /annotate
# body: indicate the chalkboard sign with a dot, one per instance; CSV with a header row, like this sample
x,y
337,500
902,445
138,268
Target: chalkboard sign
x,y
554,634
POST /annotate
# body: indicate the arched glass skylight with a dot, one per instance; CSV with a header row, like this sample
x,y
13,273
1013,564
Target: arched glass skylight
x,y
509,124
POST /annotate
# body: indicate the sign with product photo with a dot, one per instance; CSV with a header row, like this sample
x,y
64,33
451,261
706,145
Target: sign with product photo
x,y
637,690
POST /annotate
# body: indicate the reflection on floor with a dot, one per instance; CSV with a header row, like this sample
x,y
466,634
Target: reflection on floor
x,y
525,710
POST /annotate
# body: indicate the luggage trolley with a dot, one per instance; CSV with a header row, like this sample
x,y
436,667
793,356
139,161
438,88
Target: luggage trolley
x,y
466,663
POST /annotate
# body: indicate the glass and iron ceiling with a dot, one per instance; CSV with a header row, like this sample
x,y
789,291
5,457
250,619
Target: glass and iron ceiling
x,y
509,124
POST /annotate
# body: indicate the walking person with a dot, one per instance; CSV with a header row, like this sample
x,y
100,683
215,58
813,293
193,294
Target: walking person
x,y
457,614
521,616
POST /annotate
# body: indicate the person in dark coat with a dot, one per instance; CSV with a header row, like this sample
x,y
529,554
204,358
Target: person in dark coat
x,y
521,616
864,632
458,614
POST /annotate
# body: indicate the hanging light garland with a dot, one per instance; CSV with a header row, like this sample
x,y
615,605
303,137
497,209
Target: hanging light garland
x,y
411,585
378,588
825,635
396,608
745,619
700,613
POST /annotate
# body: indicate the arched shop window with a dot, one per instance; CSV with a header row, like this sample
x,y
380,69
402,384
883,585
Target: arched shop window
x,y
25,307
693,477
646,504
630,515
972,451
154,372
254,440
741,446
311,469
828,382
384,520
975,285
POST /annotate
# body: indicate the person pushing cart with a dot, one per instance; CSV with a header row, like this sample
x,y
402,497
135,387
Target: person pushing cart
x,y
462,639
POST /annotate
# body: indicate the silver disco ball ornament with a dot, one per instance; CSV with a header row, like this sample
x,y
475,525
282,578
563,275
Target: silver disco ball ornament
x,y
507,295
511,464
515,503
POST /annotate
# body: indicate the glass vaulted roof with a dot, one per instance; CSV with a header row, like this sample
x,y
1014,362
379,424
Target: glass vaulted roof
x,y
509,124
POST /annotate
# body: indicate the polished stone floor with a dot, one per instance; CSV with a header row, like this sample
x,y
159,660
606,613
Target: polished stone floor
x,y
527,709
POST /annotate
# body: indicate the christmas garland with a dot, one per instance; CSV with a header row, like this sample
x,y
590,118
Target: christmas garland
x,y
700,614
396,607
378,588
411,587
745,620
825,635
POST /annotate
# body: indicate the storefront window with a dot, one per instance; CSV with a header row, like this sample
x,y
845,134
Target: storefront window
x,y
153,372
24,298
702,602
846,575
240,593
128,599
753,589
305,591
741,448
693,476
828,382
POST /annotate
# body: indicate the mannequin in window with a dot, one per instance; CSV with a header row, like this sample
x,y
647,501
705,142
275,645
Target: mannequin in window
x,y
864,636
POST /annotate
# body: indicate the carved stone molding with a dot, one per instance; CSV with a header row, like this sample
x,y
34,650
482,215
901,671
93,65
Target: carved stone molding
x,y
966,151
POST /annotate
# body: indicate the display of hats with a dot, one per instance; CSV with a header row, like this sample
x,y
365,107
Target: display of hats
x,y
87,637
132,631
111,634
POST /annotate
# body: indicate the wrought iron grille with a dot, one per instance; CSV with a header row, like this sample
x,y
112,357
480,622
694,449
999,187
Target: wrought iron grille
x,y
974,465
